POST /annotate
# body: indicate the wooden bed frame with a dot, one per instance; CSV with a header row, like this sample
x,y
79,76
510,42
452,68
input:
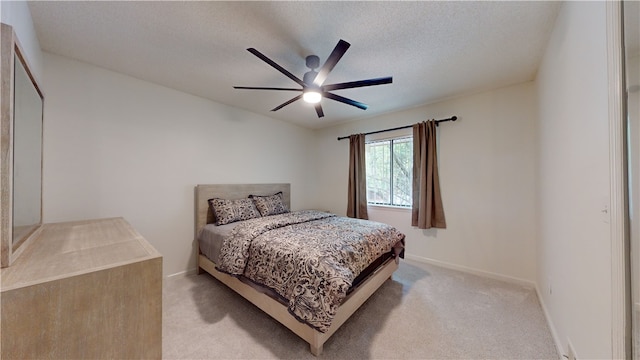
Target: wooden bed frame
x,y
267,304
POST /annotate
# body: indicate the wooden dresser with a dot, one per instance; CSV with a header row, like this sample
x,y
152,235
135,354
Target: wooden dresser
x,y
83,290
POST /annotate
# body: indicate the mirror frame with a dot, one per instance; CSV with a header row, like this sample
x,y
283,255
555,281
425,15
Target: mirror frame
x,y
11,50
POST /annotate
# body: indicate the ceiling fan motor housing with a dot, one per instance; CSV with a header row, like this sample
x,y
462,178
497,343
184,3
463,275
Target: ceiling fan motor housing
x,y
312,62
309,76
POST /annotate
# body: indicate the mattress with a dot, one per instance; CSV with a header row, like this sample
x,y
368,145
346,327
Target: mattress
x,y
210,240
211,237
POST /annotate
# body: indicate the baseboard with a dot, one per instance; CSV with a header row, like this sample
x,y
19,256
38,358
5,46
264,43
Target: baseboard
x,y
526,283
183,273
552,328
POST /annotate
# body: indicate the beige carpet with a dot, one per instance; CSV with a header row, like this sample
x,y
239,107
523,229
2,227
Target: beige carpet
x,y
425,312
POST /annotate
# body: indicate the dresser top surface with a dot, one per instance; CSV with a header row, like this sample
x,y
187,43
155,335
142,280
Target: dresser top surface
x,y
72,248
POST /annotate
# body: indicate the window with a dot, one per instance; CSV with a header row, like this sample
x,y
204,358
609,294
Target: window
x,y
389,171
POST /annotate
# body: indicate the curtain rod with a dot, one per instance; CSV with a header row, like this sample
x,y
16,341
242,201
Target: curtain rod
x,y
453,118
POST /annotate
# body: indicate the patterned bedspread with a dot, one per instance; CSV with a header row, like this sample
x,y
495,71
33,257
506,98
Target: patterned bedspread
x,y
310,258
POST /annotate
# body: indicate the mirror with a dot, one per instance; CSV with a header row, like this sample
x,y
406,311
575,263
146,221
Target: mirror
x,y
21,147
27,154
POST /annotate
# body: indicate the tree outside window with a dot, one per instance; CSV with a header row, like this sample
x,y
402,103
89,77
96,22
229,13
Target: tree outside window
x,y
389,171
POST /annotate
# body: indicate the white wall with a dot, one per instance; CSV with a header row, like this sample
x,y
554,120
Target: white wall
x,y
574,256
118,146
16,14
487,177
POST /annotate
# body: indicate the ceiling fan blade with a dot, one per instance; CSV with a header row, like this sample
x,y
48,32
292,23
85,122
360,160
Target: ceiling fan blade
x,y
265,88
343,99
360,83
319,110
276,66
331,62
287,103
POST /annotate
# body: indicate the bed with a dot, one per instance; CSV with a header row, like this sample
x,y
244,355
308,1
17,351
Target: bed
x,y
314,330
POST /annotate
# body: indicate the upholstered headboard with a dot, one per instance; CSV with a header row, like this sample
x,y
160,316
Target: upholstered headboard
x,y
205,192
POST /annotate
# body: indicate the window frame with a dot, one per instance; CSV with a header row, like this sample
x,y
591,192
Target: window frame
x,y
391,137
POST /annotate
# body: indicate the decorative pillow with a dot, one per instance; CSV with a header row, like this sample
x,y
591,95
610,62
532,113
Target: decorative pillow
x,y
270,205
228,211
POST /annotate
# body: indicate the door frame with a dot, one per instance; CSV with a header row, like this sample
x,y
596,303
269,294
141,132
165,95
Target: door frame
x,y
620,321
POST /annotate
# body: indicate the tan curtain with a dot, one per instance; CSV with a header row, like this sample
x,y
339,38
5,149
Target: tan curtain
x,y
357,203
427,210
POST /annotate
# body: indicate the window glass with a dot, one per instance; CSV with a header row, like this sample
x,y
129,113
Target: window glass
x,y
389,171
402,171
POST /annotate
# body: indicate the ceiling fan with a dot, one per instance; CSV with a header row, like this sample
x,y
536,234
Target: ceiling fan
x,y
313,88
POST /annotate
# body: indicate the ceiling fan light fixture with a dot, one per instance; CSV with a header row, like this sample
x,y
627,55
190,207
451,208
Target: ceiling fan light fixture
x,y
312,96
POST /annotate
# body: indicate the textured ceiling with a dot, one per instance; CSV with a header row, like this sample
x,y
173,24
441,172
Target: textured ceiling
x,y
433,50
